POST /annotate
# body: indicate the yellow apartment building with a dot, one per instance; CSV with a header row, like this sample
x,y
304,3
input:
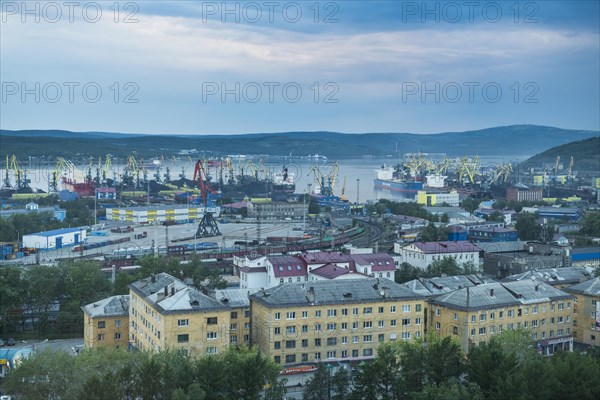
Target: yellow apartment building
x,y
167,314
297,323
586,312
106,323
473,314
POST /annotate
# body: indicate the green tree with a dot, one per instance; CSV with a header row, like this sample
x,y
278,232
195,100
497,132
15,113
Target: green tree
x,y
590,225
318,386
444,360
445,266
431,234
495,216
444,218
527,226
449,391
470,204
406,273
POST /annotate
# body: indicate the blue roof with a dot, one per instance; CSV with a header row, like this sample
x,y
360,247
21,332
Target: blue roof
x,y
56,232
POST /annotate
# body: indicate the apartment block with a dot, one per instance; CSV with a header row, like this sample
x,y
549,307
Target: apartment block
x,y
167,314
586,313
296,323
106,323
474,314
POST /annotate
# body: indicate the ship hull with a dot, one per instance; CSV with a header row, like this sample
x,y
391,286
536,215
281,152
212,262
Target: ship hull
x,y
399,186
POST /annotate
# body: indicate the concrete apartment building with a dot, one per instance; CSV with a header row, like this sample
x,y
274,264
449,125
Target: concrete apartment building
x,y
167,314
334,320
586,313
473,314
106,323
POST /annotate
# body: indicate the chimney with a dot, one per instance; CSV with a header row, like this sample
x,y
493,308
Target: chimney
x,y
310,295
172,290
386,292
153,278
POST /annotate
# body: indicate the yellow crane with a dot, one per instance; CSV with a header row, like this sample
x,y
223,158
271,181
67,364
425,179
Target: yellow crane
x,y
343,196
570,170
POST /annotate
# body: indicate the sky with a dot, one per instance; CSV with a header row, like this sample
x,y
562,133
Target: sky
x,y
214,67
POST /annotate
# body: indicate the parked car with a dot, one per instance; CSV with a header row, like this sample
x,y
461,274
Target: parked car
x,y
2,342
11,342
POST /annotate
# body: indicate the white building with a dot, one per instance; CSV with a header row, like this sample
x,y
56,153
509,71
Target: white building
x,y
55,239
421,254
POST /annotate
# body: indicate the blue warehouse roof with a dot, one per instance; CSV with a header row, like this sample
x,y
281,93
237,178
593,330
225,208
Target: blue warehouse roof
x,y
57,232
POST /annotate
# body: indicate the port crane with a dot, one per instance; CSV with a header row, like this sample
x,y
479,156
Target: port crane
x,y
325,182
6,185
208,225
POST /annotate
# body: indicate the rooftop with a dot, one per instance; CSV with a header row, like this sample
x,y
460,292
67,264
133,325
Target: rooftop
x,y
553,276
591,287
235,297
55,232
461,246
439,285
494,295
349,291
502,247
109,307
330,271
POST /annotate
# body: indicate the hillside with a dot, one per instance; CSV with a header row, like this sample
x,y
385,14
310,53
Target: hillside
x,y
585,153
496,141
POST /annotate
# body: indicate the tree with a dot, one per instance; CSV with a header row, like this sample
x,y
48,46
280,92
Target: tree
x,y
495,216
317,387
470,204
313,206
527,226
444,360
445,266
406,273
449,391
444,218
488,364
590,225
431,233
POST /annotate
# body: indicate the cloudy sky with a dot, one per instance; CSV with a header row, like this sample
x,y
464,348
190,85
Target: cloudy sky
x,y
268,66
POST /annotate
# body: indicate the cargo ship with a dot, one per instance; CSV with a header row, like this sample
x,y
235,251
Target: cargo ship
x,y
389,178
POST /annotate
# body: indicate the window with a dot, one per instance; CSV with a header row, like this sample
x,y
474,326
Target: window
x,y
117,323
318,313
304,328
367,310
211,350
290,315
277,330
561,319
438,326
492,315
344,353
233,339
331,327
247,314
405,321
482,331
355,325
354,339
354,353
101,324
290,358
344,339
100,337
331,354
367,352
290,329
406,308
367,324
481,317
304,357
381,324
455,316
355,311
277,359
183,338
473,332
380,310
405,335
344,311
331,313
367,338
117,336
317,327
393,309
417,308
331,341
277,316
393,322
211,320
561,306
534,309
511,313
437,312
344,326
304,314
277,345
211,335
290,344
233,327
473,318
304,342
317,342
501,314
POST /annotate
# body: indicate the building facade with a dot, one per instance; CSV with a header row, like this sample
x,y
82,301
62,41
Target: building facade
x,y
520,192
106,323
279,211
586,314
55,239
167,314
333,320
431,199
421,254
486,234
153,214
474,314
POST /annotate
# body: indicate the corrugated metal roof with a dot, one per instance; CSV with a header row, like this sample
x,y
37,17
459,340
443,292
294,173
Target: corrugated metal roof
x,y
439,285
330,271
494,295
334,292
235,297
57,232
461,246
553,275
591,287
111,306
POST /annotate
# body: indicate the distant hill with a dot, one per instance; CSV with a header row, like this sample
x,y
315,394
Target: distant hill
x,y
585,153
498,141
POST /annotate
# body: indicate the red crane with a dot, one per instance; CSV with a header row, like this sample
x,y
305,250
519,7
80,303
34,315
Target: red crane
x,y
200,177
